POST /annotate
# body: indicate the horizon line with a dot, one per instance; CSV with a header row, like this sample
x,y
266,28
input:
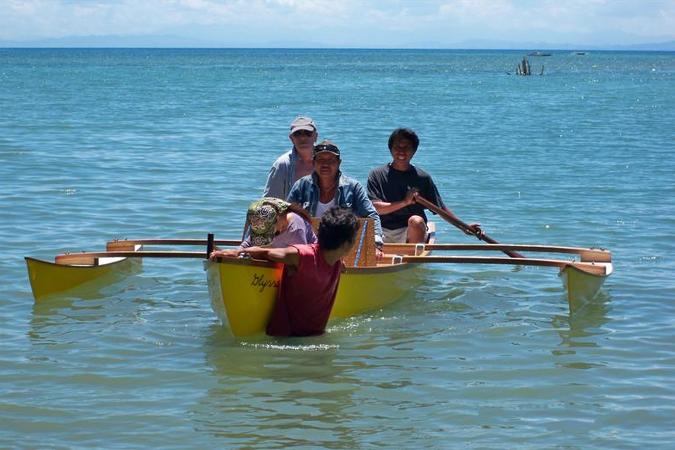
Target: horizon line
x,y
140,47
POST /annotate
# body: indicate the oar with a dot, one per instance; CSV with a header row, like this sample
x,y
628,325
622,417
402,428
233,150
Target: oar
x,y
461,225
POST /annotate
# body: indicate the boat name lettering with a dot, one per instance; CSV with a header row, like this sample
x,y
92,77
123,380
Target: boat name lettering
x,y
260,282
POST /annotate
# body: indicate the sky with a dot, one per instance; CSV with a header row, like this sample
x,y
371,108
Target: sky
x,y
339,23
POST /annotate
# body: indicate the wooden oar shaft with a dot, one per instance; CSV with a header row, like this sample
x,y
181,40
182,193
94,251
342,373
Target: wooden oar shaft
x,y
596,269
461,225
432,207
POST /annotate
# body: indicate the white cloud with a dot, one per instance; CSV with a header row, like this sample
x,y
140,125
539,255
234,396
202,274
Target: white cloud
x,y
650,18
344,21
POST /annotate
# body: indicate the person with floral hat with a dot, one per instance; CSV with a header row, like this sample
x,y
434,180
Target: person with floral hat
x,y
271,222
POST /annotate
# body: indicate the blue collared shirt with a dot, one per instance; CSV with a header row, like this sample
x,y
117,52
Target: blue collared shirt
x,y
350,194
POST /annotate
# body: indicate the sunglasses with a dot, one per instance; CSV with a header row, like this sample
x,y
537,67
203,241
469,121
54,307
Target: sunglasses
x,y
303,133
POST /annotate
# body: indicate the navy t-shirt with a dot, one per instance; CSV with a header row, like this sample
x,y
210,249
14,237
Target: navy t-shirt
x,y
390,185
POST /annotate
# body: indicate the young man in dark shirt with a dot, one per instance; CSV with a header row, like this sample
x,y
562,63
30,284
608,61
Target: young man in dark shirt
x,y
394,186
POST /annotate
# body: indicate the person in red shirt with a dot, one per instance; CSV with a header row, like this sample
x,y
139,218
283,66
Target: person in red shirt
x,y
310,277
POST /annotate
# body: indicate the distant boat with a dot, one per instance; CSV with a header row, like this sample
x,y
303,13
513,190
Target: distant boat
x,y
580,53
538,53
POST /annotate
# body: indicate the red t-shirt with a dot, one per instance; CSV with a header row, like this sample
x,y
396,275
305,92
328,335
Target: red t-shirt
x,y
305,297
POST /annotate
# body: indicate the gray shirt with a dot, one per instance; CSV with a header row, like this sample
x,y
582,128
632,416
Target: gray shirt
x,y
280,176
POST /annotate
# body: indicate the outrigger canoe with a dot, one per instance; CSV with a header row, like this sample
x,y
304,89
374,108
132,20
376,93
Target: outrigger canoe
x,y
242,291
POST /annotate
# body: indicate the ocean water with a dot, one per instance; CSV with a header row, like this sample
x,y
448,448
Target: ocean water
x,y
104,144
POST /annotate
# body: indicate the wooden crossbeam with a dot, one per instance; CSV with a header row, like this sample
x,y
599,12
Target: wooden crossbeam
x,y
87,258
586,254
128,244
596,269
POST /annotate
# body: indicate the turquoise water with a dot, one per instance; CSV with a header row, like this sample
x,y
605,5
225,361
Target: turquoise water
x,y
103,144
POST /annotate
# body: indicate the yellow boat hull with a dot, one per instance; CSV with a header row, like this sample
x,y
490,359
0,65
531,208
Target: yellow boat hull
x,y
243,292
581,286
48,278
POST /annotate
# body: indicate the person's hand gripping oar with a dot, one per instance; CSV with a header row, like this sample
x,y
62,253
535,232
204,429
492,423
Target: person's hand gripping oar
x,y
473,229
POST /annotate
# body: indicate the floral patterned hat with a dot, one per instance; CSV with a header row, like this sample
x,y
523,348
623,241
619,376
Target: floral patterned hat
x,y
262,217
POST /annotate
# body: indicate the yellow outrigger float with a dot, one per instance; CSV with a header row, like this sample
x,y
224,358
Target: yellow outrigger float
x,y
79,269
243,291
52,278
69,271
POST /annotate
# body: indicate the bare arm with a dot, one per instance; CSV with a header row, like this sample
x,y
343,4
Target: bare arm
x,y
384,208
287,255
230,253
472,228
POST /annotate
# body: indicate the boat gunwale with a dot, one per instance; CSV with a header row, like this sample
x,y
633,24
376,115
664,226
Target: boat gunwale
x,y
79,266
236,260
584,268
380,268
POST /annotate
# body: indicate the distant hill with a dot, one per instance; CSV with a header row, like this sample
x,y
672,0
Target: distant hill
x,y
659,46
107,41
507,45
174,41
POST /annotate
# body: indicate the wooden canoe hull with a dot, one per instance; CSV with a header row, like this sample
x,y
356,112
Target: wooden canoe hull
x,y
48,278
243,292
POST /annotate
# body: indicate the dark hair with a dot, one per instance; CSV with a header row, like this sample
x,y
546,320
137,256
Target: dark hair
x,y
404,133
337,226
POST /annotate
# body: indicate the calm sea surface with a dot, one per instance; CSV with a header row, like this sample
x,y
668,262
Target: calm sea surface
x,y
103,144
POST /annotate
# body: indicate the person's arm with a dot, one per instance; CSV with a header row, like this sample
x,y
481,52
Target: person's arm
x,y
384,208
276,179
435,197
230,253
377,197
472,229
274,184
287,255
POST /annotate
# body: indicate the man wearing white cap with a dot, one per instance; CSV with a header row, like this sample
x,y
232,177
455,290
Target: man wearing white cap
x,y
295,164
